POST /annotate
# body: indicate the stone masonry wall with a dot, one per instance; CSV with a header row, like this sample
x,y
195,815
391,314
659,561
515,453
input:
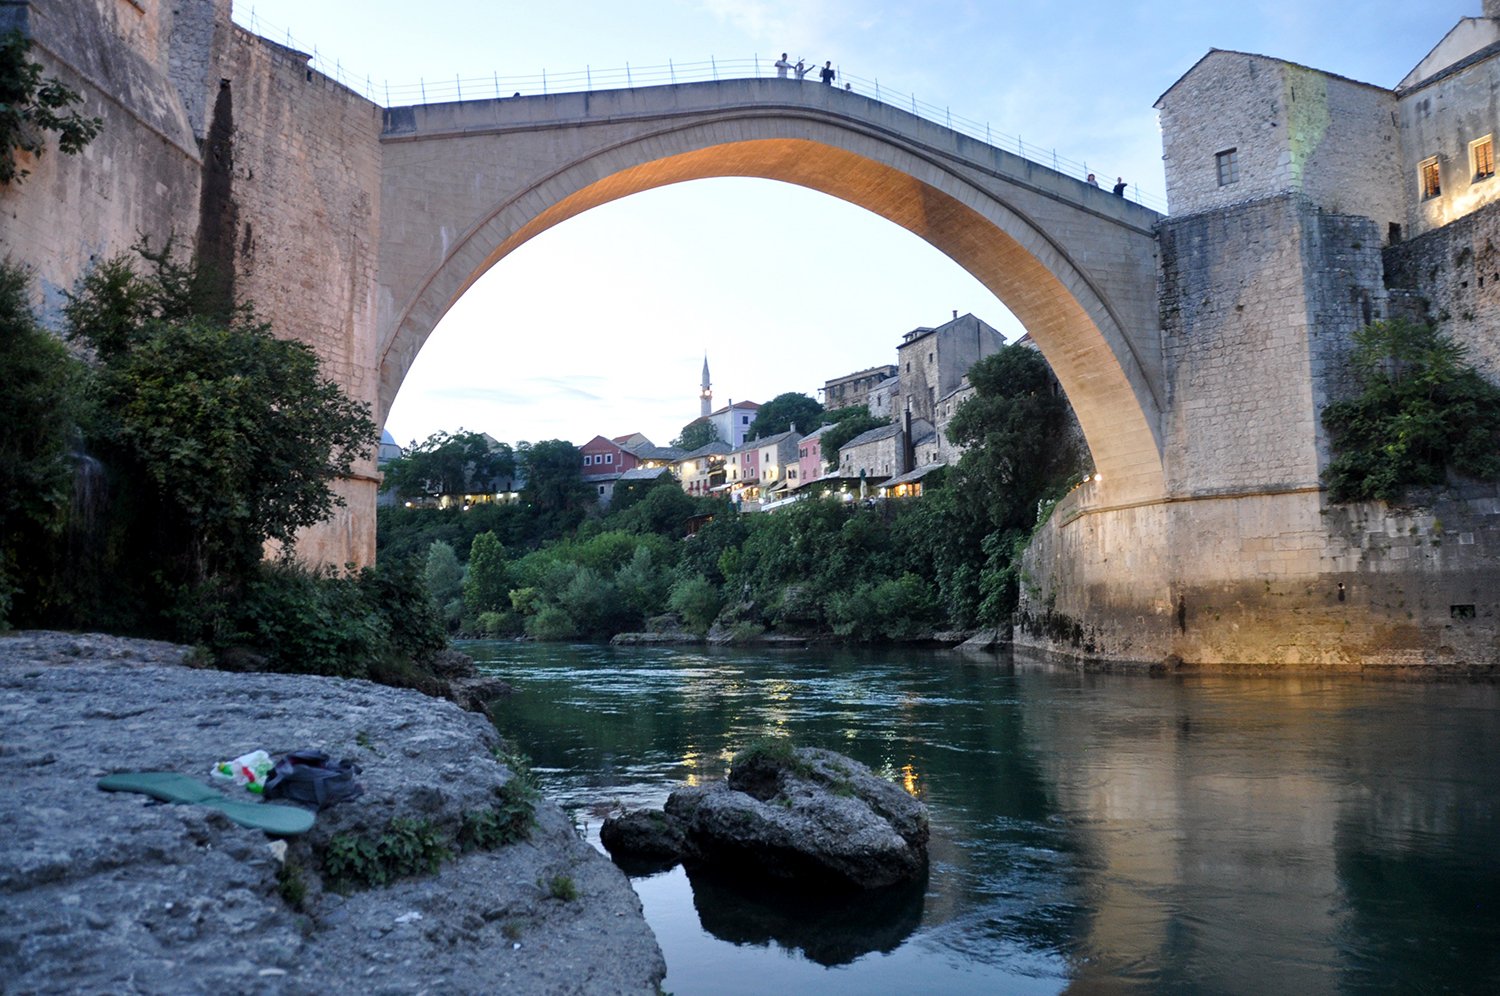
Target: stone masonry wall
x,y
1294,129
1454,273
1257,303
1271,581
229,143
303,196
139,177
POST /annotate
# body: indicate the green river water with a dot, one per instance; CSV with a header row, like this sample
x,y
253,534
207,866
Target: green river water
x,y
1113,833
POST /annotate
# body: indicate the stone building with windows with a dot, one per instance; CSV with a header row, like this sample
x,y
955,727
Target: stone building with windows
x,y
932,363
1239,127
855,388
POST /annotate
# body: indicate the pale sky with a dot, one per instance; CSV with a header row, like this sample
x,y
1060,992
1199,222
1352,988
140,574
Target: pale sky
x,y
599,326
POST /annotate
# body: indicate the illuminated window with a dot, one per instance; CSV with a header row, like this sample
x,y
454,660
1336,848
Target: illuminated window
x,y
1228,165
1430,178
1482,155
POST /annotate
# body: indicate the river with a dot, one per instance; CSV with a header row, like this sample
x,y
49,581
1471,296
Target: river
x,y
1090,831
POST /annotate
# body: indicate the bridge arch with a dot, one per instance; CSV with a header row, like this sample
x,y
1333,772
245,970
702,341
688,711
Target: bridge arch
x,y
1073,263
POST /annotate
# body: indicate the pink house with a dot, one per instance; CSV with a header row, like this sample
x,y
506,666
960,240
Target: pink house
x,y
606,457
810,465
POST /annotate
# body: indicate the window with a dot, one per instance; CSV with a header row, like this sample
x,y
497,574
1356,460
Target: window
x,y
1482,156
1430,178
609,458
588,461
1228,165
744,420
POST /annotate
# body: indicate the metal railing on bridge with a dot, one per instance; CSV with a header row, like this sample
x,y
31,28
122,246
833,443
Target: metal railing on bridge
x,y
495,85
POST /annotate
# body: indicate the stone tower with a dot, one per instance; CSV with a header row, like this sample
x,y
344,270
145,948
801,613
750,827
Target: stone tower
x,y
706,394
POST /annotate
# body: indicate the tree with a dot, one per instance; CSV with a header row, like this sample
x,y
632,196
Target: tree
x,y
782,412
487,585
31,106
1016,428
1020,454
554,479
230,436
38,412
699,432
450,464
1421,412
444,576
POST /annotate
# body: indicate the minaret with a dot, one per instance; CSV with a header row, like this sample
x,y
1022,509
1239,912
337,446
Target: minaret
x,y
705,396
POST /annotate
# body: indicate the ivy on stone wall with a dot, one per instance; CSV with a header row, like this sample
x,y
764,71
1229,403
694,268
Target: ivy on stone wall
x,y
1422,414
31,106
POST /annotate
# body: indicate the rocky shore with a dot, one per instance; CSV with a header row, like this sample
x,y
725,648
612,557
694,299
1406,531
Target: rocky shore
x,y
113,892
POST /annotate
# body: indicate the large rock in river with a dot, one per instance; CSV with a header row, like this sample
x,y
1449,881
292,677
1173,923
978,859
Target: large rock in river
x,y
113,892
808,816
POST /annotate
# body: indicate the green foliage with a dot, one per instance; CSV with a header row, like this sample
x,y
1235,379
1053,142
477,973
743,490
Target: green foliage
x,y
292,618
897,609
486,586
450,464
554,480
1422,413
407,847
230,436
305,621
31,106
291,885
562,887
697,600
776,752
39,407
444,576
511,819
551,623
1017,430
397,592
699,432
778,415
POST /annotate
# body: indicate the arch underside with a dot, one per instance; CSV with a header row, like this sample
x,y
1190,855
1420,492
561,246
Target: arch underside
x,y
1068,318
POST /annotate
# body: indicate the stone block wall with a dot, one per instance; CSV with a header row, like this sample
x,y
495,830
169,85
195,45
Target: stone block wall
x,y
298,215
1271,581
1294,130
139,177
1258,301
227,142
1453,277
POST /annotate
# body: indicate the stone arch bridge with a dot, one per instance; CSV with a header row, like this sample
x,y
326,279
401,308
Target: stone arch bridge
x,y
1197,351
463,184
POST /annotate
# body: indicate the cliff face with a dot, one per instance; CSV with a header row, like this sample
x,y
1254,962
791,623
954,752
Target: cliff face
x,y
114,892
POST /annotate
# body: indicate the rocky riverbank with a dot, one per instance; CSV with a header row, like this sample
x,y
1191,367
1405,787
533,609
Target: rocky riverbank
x,y
112,892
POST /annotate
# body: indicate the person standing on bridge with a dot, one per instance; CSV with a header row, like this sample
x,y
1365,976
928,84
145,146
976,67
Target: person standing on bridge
x,y
800,69
1092,182
826,73
1119,186
782,66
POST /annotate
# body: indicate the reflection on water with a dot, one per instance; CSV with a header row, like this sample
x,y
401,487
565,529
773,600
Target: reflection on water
x,y
1089,831
829,930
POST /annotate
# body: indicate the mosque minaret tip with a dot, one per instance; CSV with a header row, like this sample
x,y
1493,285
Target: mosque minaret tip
x,y
706,395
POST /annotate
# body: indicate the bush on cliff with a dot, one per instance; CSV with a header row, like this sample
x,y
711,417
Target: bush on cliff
x,y
1421,414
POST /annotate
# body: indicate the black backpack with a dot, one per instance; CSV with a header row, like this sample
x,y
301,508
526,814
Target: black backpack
x,y
314,779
